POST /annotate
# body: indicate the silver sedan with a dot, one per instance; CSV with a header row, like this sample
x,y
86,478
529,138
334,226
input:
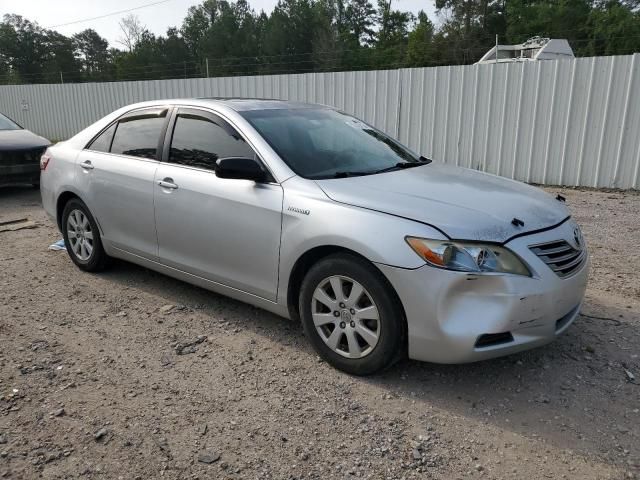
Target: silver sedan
x,y
315,215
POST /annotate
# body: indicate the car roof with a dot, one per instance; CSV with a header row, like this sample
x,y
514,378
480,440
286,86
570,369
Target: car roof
x,y
245,104
220,103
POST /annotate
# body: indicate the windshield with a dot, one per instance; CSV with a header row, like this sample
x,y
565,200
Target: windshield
x,y
7,124
322,143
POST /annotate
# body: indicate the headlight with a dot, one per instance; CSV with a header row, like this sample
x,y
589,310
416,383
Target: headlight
x,y
468,256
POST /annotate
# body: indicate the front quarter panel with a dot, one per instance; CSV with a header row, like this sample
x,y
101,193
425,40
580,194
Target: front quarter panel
x,y
310,219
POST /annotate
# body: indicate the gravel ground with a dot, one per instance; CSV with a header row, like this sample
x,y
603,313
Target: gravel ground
x,y
132,375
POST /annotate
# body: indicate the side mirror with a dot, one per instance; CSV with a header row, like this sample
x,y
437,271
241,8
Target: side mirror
x,y
240,169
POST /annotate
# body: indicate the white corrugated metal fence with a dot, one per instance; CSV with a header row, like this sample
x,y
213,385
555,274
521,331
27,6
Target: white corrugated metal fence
x,y
568,122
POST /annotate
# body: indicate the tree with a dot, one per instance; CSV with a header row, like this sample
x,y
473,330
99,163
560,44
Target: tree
x,y
470,27
292,33
227,34
614,29
60,60
174,48
328,42
470,14
32,54
93,52
420,42
555,19
394,25
392,37
24,47
132,31
194,27
312,35
360,17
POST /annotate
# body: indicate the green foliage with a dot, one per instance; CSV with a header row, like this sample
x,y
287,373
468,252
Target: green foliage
x,y
27,51
359,22
420,43
567,18
609,27
92,51
227,37
613,28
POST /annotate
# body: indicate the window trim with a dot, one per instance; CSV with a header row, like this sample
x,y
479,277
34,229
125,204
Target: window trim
x,y
165,111
95,138
216,118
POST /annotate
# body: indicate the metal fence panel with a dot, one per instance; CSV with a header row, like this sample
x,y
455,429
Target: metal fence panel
x,y
569,122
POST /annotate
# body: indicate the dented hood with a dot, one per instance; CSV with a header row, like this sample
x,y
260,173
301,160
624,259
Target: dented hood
x,y
463,203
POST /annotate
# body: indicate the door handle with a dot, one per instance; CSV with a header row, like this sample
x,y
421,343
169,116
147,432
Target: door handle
x,y
167,183
87,165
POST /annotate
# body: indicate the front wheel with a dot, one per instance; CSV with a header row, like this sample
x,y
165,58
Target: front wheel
x,y
351,315
82,237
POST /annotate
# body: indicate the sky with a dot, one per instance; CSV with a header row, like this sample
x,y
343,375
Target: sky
x,y
157,18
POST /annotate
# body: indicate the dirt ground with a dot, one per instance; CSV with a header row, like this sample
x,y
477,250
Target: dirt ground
x,y
92,384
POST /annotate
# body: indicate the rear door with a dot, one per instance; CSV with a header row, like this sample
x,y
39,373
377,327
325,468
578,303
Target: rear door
x,y
116,173
224,230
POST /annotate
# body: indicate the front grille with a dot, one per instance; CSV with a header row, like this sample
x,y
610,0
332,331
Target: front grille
x,y
561,257
22,157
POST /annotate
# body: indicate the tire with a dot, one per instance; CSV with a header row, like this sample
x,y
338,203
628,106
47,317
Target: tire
x,y
82,237
341,332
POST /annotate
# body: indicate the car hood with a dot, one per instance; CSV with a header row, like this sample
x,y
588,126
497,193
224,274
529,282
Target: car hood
x,y
463,203
20,140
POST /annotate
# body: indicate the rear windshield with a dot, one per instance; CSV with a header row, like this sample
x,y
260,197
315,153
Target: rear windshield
x,y
8,124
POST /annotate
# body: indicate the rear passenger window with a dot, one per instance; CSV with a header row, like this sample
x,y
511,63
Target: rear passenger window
x,y
138,136
103,142
200,142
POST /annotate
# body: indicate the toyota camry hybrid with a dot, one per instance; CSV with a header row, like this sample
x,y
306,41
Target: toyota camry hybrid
x,y
315,215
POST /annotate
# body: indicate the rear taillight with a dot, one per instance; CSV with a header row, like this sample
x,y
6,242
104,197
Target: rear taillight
x,y
44,161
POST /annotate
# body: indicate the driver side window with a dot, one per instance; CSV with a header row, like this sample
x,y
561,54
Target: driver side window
x,y
199,142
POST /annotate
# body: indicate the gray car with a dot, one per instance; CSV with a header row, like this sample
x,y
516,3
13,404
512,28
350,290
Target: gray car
x,y
20,152
314,215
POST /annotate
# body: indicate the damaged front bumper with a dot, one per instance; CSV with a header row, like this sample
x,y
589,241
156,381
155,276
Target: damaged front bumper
x,y
456,317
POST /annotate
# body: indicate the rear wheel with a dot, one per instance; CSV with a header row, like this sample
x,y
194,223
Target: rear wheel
x,y
82,237
350,315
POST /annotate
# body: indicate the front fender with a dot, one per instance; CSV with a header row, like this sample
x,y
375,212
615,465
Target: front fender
x,y
310,220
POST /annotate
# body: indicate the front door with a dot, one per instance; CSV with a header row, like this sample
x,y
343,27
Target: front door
x,y
224,230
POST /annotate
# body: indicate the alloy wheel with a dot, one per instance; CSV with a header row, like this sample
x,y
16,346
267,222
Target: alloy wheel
x,y
80,234
345,316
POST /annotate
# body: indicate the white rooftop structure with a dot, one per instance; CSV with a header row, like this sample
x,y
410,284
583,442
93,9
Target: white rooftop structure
x,y
536,48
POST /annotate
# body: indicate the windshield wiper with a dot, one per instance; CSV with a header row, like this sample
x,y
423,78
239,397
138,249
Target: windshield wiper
x,y
397,166
345,174
403,165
